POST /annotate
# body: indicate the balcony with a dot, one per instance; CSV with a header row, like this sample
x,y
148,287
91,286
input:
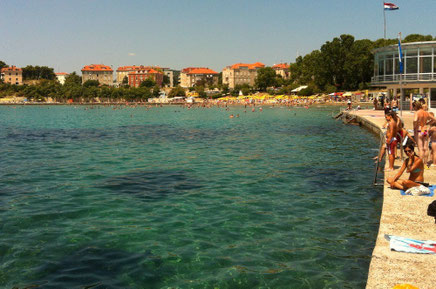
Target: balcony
x,y
406,78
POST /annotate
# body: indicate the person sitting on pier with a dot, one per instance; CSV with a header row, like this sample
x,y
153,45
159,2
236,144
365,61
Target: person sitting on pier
x,y
414,165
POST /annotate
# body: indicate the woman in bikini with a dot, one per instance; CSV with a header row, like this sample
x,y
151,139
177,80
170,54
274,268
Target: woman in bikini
x,y
421,129
414,165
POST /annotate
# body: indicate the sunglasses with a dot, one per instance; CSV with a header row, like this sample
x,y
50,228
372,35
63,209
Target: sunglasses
x,y
408,151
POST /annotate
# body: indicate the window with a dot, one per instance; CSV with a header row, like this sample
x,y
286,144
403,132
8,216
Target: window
x,y
412,52
381,67
389,66
411,65
425,51
425,65
434,63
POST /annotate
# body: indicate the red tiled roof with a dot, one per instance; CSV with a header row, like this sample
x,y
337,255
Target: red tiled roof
x,y
198,70
188,69
281,66
12,68
61,73
145,71
135,67
248,65
97,67
153,71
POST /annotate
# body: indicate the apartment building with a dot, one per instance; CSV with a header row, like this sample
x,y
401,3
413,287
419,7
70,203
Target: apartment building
x,y
100,72
241,73
12,75
192,76
137,76
282,69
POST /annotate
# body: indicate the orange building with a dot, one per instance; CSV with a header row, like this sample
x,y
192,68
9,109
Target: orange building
x,y
282,69
241,73
192,76
12,75
123,71
139,75
100,72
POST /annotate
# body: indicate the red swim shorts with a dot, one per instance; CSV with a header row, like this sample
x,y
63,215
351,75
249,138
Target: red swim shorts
x,y
391,147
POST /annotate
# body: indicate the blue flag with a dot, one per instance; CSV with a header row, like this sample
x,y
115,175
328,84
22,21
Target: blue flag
x,y
400,56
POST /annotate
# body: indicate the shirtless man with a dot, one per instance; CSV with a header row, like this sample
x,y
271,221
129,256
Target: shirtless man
x,y
421,130
391,141
394,104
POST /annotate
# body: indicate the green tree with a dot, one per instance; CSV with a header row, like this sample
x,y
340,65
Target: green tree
x,y
225,88
417,38
200,90
220,78
166,80
266,77
149,83
91,83
244,88
2,64
38,72
156,91
125,81
73,79
177,91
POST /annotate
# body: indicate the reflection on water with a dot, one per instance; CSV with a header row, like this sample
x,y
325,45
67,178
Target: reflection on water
x,y
136,198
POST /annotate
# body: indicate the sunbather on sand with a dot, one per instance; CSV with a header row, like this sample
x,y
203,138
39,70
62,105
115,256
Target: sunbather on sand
x,y
414,165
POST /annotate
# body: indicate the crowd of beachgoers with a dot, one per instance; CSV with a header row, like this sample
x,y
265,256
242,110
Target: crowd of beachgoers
x,y
422,136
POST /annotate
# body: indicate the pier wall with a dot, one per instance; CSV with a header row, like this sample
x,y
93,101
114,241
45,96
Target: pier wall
x,y
404,216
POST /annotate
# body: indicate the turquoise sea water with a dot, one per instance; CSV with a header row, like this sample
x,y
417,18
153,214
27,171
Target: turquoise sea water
x,y
177,198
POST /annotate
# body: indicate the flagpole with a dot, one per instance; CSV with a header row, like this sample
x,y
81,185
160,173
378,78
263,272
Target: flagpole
x,y
401,75
384,17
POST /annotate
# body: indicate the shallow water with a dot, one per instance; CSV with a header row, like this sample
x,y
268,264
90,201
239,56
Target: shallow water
x,y
177,198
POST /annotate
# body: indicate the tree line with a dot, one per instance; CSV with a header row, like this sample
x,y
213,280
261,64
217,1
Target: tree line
x,y
73,89
340,64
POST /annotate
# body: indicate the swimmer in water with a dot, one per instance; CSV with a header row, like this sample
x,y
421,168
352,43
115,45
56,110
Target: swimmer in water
x,y
231,116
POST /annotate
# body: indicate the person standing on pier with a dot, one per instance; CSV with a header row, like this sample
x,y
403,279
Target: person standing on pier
x,y
421,130
391,141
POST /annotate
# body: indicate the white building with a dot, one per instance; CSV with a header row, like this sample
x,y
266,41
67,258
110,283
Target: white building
x,y
418,77
61,76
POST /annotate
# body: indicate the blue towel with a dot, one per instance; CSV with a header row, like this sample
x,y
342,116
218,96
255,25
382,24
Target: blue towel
x,y
432,188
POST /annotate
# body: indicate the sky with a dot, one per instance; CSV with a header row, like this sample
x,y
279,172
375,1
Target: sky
x,y
68,35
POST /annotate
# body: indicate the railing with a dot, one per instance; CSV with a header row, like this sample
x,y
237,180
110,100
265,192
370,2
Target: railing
x,y
411,77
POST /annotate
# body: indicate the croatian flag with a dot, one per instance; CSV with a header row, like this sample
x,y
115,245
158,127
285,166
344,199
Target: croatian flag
x,y
390,6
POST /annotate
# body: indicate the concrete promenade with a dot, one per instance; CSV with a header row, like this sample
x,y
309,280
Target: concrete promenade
x,y
404,216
